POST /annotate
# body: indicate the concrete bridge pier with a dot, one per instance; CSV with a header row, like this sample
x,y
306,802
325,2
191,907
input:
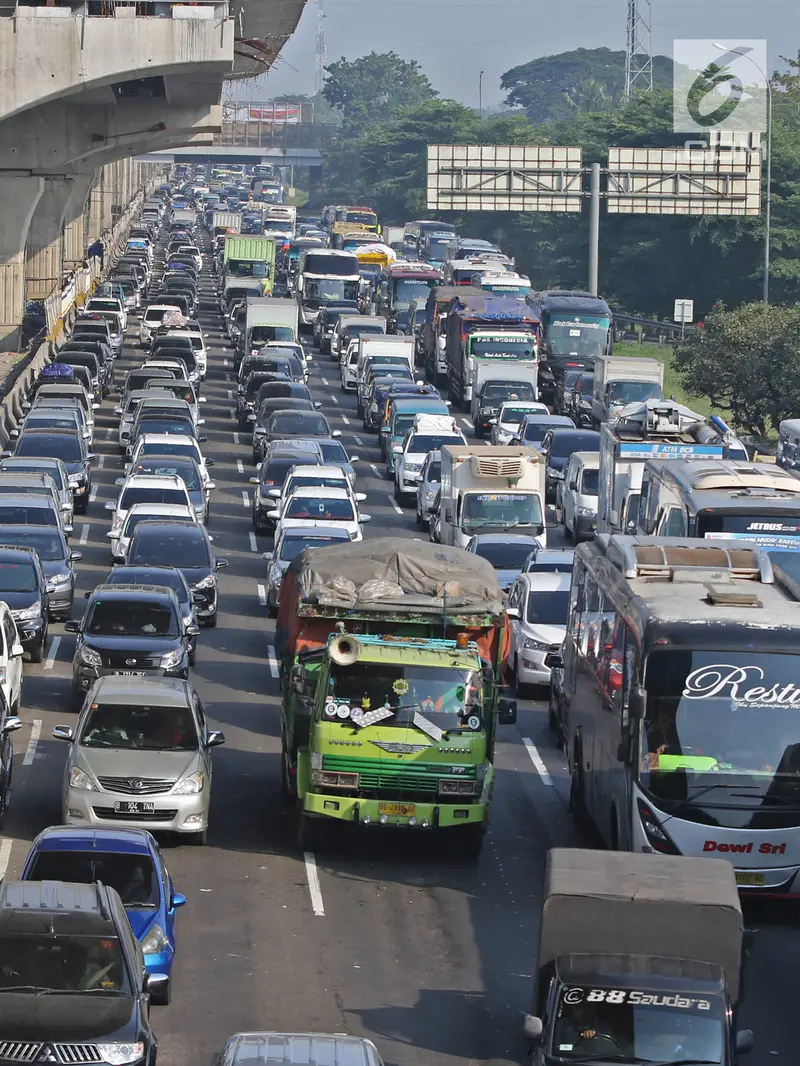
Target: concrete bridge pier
x,y
19,195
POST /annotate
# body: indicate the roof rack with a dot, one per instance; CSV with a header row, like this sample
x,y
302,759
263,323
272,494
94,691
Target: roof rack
x,y
662,558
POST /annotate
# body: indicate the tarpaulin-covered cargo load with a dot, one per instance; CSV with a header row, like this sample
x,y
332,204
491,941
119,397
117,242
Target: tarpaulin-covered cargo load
x,y
390,585
442,295
621,903
484,307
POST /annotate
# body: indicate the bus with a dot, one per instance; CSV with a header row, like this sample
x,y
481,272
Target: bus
x,y
326,277
681,687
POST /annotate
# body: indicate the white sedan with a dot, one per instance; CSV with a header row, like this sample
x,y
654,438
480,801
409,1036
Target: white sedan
x,y
309,508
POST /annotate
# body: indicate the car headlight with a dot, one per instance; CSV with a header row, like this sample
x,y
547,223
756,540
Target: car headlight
x,y
207,582
120,1054
334,779
535,645
586,512
80,779
155,942
191,785
90,656
413,467
171,659
27,613
454,786
556,475
60,579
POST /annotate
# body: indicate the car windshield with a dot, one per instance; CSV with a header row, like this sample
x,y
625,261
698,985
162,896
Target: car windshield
x,y
187,472
314,481
165,447
134,520
137,380
333,452
514,415
265,334
175,427
590,482
625,392
49,546
43,419
18,577
503,390
562,445
504,555
547,607
299,424
27,516
615,1025
154,728
502,509
330,290
66,446
133,876
116,618
54,962
443,697
320,509
180,392
145,494
581,335
185,548
434,472
535,431
431,442
292,546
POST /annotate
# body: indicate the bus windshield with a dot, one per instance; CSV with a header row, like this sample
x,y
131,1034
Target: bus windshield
x,y
585,335
770,530
721,718
319,291
449,698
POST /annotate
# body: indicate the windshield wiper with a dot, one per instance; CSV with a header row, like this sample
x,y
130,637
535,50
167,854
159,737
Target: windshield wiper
x,y
23,988
80,991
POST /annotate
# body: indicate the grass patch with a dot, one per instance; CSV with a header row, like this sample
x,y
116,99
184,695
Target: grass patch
x,y
672,385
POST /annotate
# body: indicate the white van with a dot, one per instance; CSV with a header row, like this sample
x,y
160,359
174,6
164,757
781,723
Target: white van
x,y
580,496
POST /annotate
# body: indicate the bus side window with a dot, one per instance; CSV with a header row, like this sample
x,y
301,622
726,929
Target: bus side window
x,y
672,523
577,607
592,619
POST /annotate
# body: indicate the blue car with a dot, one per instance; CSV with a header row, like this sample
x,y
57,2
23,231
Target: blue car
x,y
128,860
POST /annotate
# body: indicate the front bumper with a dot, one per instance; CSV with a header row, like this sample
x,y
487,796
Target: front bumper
x,y
530,667
177,814
30,632
585,526
356,810
60,602
83,676
160,961
408,482
206,603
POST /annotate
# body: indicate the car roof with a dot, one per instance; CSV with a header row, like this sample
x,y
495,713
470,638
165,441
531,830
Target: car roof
x,y
547,580
165,691
159,509
54,907
320,470
167,481
299,1049
167,438
325,492
128,571
123,592
29,500
99,839
9,550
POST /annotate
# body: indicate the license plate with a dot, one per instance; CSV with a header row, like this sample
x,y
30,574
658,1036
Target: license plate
x,y
404,810
748,878
134,807
130,673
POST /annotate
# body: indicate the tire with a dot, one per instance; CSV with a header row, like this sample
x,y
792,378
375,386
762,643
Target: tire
x,y
306,836
521,690
162,999
567,533
272,610
210,623
198,840
466,842
37,653
577,803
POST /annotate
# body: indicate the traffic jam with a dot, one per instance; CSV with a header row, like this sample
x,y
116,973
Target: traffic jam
x,y
377,617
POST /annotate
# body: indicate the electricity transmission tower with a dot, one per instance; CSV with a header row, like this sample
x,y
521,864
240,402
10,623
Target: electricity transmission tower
x,y
638,58
322,54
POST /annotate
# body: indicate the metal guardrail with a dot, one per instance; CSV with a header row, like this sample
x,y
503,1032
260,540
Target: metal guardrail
x,y
650,331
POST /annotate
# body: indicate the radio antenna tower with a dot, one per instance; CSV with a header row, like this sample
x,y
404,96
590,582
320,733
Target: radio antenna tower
x,y
322,54
638,58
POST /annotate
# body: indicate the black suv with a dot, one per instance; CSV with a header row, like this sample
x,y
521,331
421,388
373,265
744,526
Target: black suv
x,y
129,629
24,588
73,985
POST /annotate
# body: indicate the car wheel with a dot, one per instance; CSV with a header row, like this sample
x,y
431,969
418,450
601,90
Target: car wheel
x,y
520,688
272,610
198,839
466,842
37,653
163,997
211,622
420,522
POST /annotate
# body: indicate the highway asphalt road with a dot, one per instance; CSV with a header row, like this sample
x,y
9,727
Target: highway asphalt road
x,y
376,935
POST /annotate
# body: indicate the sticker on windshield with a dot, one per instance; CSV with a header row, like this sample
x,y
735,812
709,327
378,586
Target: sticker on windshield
x,y
505,496
474,722
623,997
371,717
400,686
574,333
739,684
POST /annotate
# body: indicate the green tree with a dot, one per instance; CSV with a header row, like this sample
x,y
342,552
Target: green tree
x,y
746,361
372,88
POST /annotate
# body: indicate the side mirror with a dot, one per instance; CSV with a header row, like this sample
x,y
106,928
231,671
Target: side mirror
x,y
210,486
72,627
506,711
192,630
11,724
202,440
156,983
50,590
360,497
511,612
744,1041
297,680
110,506
397,449
254,481
364,518
573,486
354,459
259,431
211,462
64,732
177,900
267,556
274,512
492,421
16,651
533,1028
554,660
215,738
336,433
220,564
14,434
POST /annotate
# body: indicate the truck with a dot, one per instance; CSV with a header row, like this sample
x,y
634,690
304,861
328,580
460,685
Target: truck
x,y
249,257
488,489
576,329
656,429
267,319
326,277
640,959
492,387
620,381
185,214
433,342
390,657
400,283
280,221
487,328
226,222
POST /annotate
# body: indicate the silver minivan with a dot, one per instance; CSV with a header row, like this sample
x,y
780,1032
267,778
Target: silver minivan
x,y
579,490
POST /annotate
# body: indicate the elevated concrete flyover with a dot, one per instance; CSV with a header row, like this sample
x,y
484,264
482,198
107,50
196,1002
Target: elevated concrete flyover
x,y
291,157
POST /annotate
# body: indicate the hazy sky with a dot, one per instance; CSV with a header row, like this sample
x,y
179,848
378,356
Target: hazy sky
x,y
455,39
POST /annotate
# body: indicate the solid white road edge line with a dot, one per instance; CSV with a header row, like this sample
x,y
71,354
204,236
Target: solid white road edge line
x,y
253,542
537,761
30,753
393,502
55,644
245,497
312,876
84,534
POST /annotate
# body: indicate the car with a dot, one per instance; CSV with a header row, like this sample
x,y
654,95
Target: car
x,y
580,408
280,1049
73,944
108,303
537,609
127,412
318,476
24,589
288,546
168,576
57,563
532,428
505,425
179,389
430,479
557,446
564,392
190,473
435,518
179,445
38,483
287,424
189,549
19,508
507,552
246,406
325,323
54,418
127,860
430,433
272,474
151,319
549,561
492,395
71,449
152,730
146,488
198,345
128,630
310,507
142,512
52,466
170,425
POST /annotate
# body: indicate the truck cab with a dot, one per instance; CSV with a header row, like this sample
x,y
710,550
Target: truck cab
x,y
401,417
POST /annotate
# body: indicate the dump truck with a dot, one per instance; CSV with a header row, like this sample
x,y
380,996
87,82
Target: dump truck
x,y
657,429
488,489
390,659
487,328
620,381
640,960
